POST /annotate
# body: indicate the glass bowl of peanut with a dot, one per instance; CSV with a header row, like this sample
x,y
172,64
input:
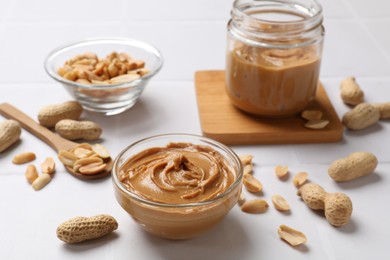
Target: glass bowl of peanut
x,y
106,75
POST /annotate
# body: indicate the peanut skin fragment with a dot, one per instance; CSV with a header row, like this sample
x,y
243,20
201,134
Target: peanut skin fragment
x,y
291,236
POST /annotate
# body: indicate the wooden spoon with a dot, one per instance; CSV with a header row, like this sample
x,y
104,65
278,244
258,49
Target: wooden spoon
x,y
53,140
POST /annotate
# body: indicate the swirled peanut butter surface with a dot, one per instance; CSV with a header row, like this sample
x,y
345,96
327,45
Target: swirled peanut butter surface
x,y
179,173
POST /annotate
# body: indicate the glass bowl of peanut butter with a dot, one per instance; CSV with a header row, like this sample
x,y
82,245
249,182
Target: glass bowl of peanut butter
x,y
177,186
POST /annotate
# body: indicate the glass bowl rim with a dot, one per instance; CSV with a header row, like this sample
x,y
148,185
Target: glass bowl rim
x,y
221,196
120,40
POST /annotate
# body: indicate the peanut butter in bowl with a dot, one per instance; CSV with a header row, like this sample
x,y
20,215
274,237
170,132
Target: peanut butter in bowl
x,y
177,186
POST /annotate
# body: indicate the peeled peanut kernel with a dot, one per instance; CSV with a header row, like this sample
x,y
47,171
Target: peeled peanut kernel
x,y
85,161
67,158
124,78
317,124
300,178
280,203
85,158
311,115
251,183
255,206
101,151
82,152
41,181
248,168
291,236
92,168
241,198
281,171
246,159
82,145
23,158
48,166
31,173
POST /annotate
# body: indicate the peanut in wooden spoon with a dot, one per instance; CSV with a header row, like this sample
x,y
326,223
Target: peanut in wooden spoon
x,y
54,141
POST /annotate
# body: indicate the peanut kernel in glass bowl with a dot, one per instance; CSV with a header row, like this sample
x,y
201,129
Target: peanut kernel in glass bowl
x,y
115,68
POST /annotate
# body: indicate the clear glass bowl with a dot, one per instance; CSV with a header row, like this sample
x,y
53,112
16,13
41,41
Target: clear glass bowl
x,y
177,221
105,99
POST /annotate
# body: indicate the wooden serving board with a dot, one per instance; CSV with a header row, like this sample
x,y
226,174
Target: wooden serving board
x,y
221,121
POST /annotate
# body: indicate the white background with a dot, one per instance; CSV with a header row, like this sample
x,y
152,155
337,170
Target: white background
x,y
191,35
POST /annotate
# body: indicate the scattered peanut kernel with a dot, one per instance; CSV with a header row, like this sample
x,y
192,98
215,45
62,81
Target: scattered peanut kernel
x,y
291,236
67,158
241,198
246,159
248,168
317,124
23,158
41,181
101,151
31,173
255,206
300,178
251,183
280,203
48,166
281,171
311,115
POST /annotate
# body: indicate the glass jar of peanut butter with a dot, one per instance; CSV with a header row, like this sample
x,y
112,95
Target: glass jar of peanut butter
x,y
273,55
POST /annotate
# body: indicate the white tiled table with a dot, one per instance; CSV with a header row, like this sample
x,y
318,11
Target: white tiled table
x,y
191,35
